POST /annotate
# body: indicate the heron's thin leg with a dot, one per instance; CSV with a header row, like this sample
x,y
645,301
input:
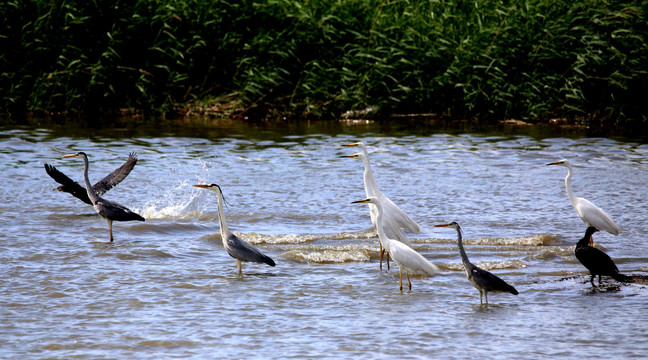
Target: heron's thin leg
x,y
409,282
382,252
110,228
481,300
401,279
239,266
387,252
486,296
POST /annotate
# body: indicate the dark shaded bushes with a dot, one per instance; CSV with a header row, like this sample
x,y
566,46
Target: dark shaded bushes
x,y
476,59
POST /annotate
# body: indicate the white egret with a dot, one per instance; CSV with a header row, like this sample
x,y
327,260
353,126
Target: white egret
x,y
394,219
409,261
237,248
481,279
109,210
591,214
596,261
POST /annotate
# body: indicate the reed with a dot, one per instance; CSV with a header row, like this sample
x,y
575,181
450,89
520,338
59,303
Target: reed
x,y
480,59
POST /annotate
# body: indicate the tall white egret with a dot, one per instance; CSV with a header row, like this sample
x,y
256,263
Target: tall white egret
x,y
591,214
596,261
111,211
72,187
372,189
237,248
409,261
394,219
481,279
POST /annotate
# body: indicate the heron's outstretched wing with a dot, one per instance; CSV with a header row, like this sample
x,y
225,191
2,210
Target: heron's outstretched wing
x,y
116,176
68,185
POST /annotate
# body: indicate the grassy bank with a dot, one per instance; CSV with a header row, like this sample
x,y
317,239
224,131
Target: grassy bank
x,y
481,59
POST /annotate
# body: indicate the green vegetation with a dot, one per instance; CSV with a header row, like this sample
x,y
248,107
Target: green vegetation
x,y
480,59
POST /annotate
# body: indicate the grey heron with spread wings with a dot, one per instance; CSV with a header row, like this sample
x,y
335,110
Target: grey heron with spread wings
x,y
109,210
72,187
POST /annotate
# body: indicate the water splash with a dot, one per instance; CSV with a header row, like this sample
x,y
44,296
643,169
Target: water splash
x,y
172,204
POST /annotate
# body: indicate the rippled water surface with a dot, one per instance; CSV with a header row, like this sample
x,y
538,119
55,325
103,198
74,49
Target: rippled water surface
x,y
166,288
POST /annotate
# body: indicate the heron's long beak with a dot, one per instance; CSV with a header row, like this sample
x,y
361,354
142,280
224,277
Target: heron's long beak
x,y
354,144
360,201
349,156
442,225
554,163
201,186
69,155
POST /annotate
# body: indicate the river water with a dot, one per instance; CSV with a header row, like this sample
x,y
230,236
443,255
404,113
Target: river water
x,y
166,288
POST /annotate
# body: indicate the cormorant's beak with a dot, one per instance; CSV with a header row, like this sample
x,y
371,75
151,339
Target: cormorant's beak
x,y
201,186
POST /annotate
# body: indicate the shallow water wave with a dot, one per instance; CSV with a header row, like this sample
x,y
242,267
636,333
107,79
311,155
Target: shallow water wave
x,y
333,254
533,240
494,265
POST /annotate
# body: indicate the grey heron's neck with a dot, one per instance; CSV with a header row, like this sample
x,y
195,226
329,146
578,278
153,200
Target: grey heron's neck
x,y
462,252
221,217
91,194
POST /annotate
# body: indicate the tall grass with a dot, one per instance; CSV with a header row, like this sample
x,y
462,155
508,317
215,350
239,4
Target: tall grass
x,y
483,59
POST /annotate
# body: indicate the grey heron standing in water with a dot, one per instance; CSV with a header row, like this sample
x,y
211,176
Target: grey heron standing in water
x,y
238,249
109,210
72,187
481,279
591,214
409,261
394,219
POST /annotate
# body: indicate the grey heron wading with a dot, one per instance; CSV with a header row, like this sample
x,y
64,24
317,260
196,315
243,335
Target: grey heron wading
x,y
591,214
72,187
409,261
481,279
237,248
109,210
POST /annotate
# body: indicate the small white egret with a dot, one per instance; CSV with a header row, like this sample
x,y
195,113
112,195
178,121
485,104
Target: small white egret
x,y
591,214
596,261
237,248
394,219
109,210
481,279
409,261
